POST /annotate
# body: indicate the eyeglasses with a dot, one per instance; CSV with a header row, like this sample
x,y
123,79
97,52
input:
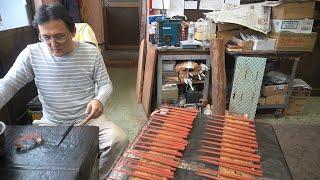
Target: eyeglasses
x,y
59,38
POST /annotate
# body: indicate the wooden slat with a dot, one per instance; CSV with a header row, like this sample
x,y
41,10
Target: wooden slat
x,y
148,82
143,18
140,72
123,4
218,76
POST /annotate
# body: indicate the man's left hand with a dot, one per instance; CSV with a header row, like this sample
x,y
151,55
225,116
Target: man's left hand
x,y
94,109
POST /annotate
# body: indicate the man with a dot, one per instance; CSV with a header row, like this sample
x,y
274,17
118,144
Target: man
x,y
66,73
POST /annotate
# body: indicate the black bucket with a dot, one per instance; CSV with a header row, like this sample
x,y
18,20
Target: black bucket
x,y
2,137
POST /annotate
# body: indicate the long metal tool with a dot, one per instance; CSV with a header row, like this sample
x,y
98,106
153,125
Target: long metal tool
x,y
69,129
64,135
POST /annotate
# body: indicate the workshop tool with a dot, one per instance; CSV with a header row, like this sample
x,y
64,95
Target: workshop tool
x,y
69,129
64,134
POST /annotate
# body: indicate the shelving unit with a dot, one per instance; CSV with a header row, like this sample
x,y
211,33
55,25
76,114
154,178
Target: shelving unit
x,y
182,55
274,55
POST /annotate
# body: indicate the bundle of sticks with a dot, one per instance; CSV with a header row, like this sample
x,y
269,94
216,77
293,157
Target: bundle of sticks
x,y
156,151
229,143
222,147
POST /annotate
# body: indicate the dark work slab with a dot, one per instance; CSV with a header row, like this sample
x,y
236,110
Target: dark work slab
x,y
72,159
273,162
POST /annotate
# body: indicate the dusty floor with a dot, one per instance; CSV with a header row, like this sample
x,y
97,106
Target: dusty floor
x,y
311,114
123,109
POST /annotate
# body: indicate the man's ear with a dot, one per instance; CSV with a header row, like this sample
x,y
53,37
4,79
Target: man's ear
x,y
74,31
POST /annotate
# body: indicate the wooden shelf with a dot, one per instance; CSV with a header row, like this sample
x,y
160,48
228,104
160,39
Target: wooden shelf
x,y
268,53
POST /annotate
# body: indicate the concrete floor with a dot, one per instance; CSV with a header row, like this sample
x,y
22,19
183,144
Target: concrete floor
x,y
311,114
123,109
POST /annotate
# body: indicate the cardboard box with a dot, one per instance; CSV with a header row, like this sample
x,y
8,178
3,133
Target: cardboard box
x,y
293,10
271,90
228,26
168,65
264,45
228,35
246,45
276,99
170,92
262,100
300,93
300,88
295,26
287,41
295,107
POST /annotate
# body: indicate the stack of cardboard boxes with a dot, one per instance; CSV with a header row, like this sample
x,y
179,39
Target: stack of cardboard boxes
x,y
291,25
300,93
273,94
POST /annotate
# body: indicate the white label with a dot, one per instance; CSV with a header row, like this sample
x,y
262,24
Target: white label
x,y
279,87
191,5
289,24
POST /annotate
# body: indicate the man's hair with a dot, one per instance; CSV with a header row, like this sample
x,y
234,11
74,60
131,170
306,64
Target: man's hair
x,y
55,11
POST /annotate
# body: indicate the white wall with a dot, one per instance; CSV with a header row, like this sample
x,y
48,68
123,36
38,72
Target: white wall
x,y
13,14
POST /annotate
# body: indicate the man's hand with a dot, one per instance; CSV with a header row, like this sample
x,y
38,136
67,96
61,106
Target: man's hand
x,y
94,109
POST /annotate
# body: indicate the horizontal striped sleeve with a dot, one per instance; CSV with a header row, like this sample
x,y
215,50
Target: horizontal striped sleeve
x,y
102,80
19,75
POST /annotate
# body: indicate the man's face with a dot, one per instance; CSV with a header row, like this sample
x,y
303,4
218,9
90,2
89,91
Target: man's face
x,y
57,36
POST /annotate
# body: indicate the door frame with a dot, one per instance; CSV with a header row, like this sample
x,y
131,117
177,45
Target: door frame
x,y
118,5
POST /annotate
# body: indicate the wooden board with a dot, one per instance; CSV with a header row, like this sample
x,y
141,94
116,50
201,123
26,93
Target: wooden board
x,y
140,71
148,82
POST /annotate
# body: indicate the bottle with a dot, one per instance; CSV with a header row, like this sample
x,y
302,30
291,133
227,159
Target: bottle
x,y
191,32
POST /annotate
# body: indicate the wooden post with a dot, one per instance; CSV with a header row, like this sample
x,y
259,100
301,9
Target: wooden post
x,y
218,74
140,71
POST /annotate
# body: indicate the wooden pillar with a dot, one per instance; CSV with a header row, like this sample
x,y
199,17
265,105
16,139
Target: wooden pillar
x,y
218,74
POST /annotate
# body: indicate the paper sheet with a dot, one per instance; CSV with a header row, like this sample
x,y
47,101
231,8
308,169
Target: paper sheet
x,y
157,4
254,16
211,4
234,2
191,5
176,8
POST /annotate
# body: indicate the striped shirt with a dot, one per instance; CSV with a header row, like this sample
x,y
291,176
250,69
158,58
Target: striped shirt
x,y
65,84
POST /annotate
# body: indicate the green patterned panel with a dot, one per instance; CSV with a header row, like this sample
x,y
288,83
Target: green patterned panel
x,y
246,85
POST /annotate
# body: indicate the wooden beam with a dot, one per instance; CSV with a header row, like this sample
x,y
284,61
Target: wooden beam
x,y
218,74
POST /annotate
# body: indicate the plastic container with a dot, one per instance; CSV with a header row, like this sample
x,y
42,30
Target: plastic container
x,y
191,31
